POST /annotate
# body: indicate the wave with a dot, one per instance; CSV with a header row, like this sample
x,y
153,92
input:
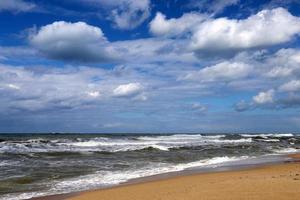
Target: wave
x,y
268,140
279,135
26,195
181,137
135,143
109,178
106,144
286,150
112,178
4,163
112,160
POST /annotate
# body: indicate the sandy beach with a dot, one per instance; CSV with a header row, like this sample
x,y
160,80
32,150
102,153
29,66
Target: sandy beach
x,y
278,181
150,100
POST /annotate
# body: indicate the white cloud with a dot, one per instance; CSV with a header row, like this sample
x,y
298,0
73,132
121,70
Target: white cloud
x,y
141,97
291,86
125,14
13,86
268,27
85,43
72,42
39,89
279,72
267,100
223,35
264,97
16,6
128,90
67,88
284,63
94,93
161,26
224,71
154,50
131,13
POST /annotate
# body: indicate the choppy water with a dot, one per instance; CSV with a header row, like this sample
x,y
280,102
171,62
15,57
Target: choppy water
x,y
38,165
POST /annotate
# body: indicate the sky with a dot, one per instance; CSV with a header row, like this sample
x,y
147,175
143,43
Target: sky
x,y
149,66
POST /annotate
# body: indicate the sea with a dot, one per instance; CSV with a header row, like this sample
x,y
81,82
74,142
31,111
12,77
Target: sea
x,y
34,165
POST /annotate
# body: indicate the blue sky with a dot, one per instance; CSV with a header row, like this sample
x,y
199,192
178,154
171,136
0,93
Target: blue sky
x,y
112,66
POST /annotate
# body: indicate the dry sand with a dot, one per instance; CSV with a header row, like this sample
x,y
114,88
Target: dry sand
x,y
273,182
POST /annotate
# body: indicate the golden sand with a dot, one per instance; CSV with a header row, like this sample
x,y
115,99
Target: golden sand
x,y
273,182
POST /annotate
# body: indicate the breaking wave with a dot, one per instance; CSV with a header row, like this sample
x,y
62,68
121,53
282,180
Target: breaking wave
x,y
123,144
67,163
109,178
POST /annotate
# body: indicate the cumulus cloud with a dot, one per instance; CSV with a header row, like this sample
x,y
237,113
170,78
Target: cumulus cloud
x,y
224,71
94,93
264,97
125,14
266,28
291,86
267,100
284,63
223,35
279,72
128,90
81,42
72,42
161,26
16,6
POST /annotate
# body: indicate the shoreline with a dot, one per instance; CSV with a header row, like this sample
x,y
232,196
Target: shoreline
x,y
274,181
242,168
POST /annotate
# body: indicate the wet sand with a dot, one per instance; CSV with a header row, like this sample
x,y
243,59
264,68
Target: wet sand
x,y
276,182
